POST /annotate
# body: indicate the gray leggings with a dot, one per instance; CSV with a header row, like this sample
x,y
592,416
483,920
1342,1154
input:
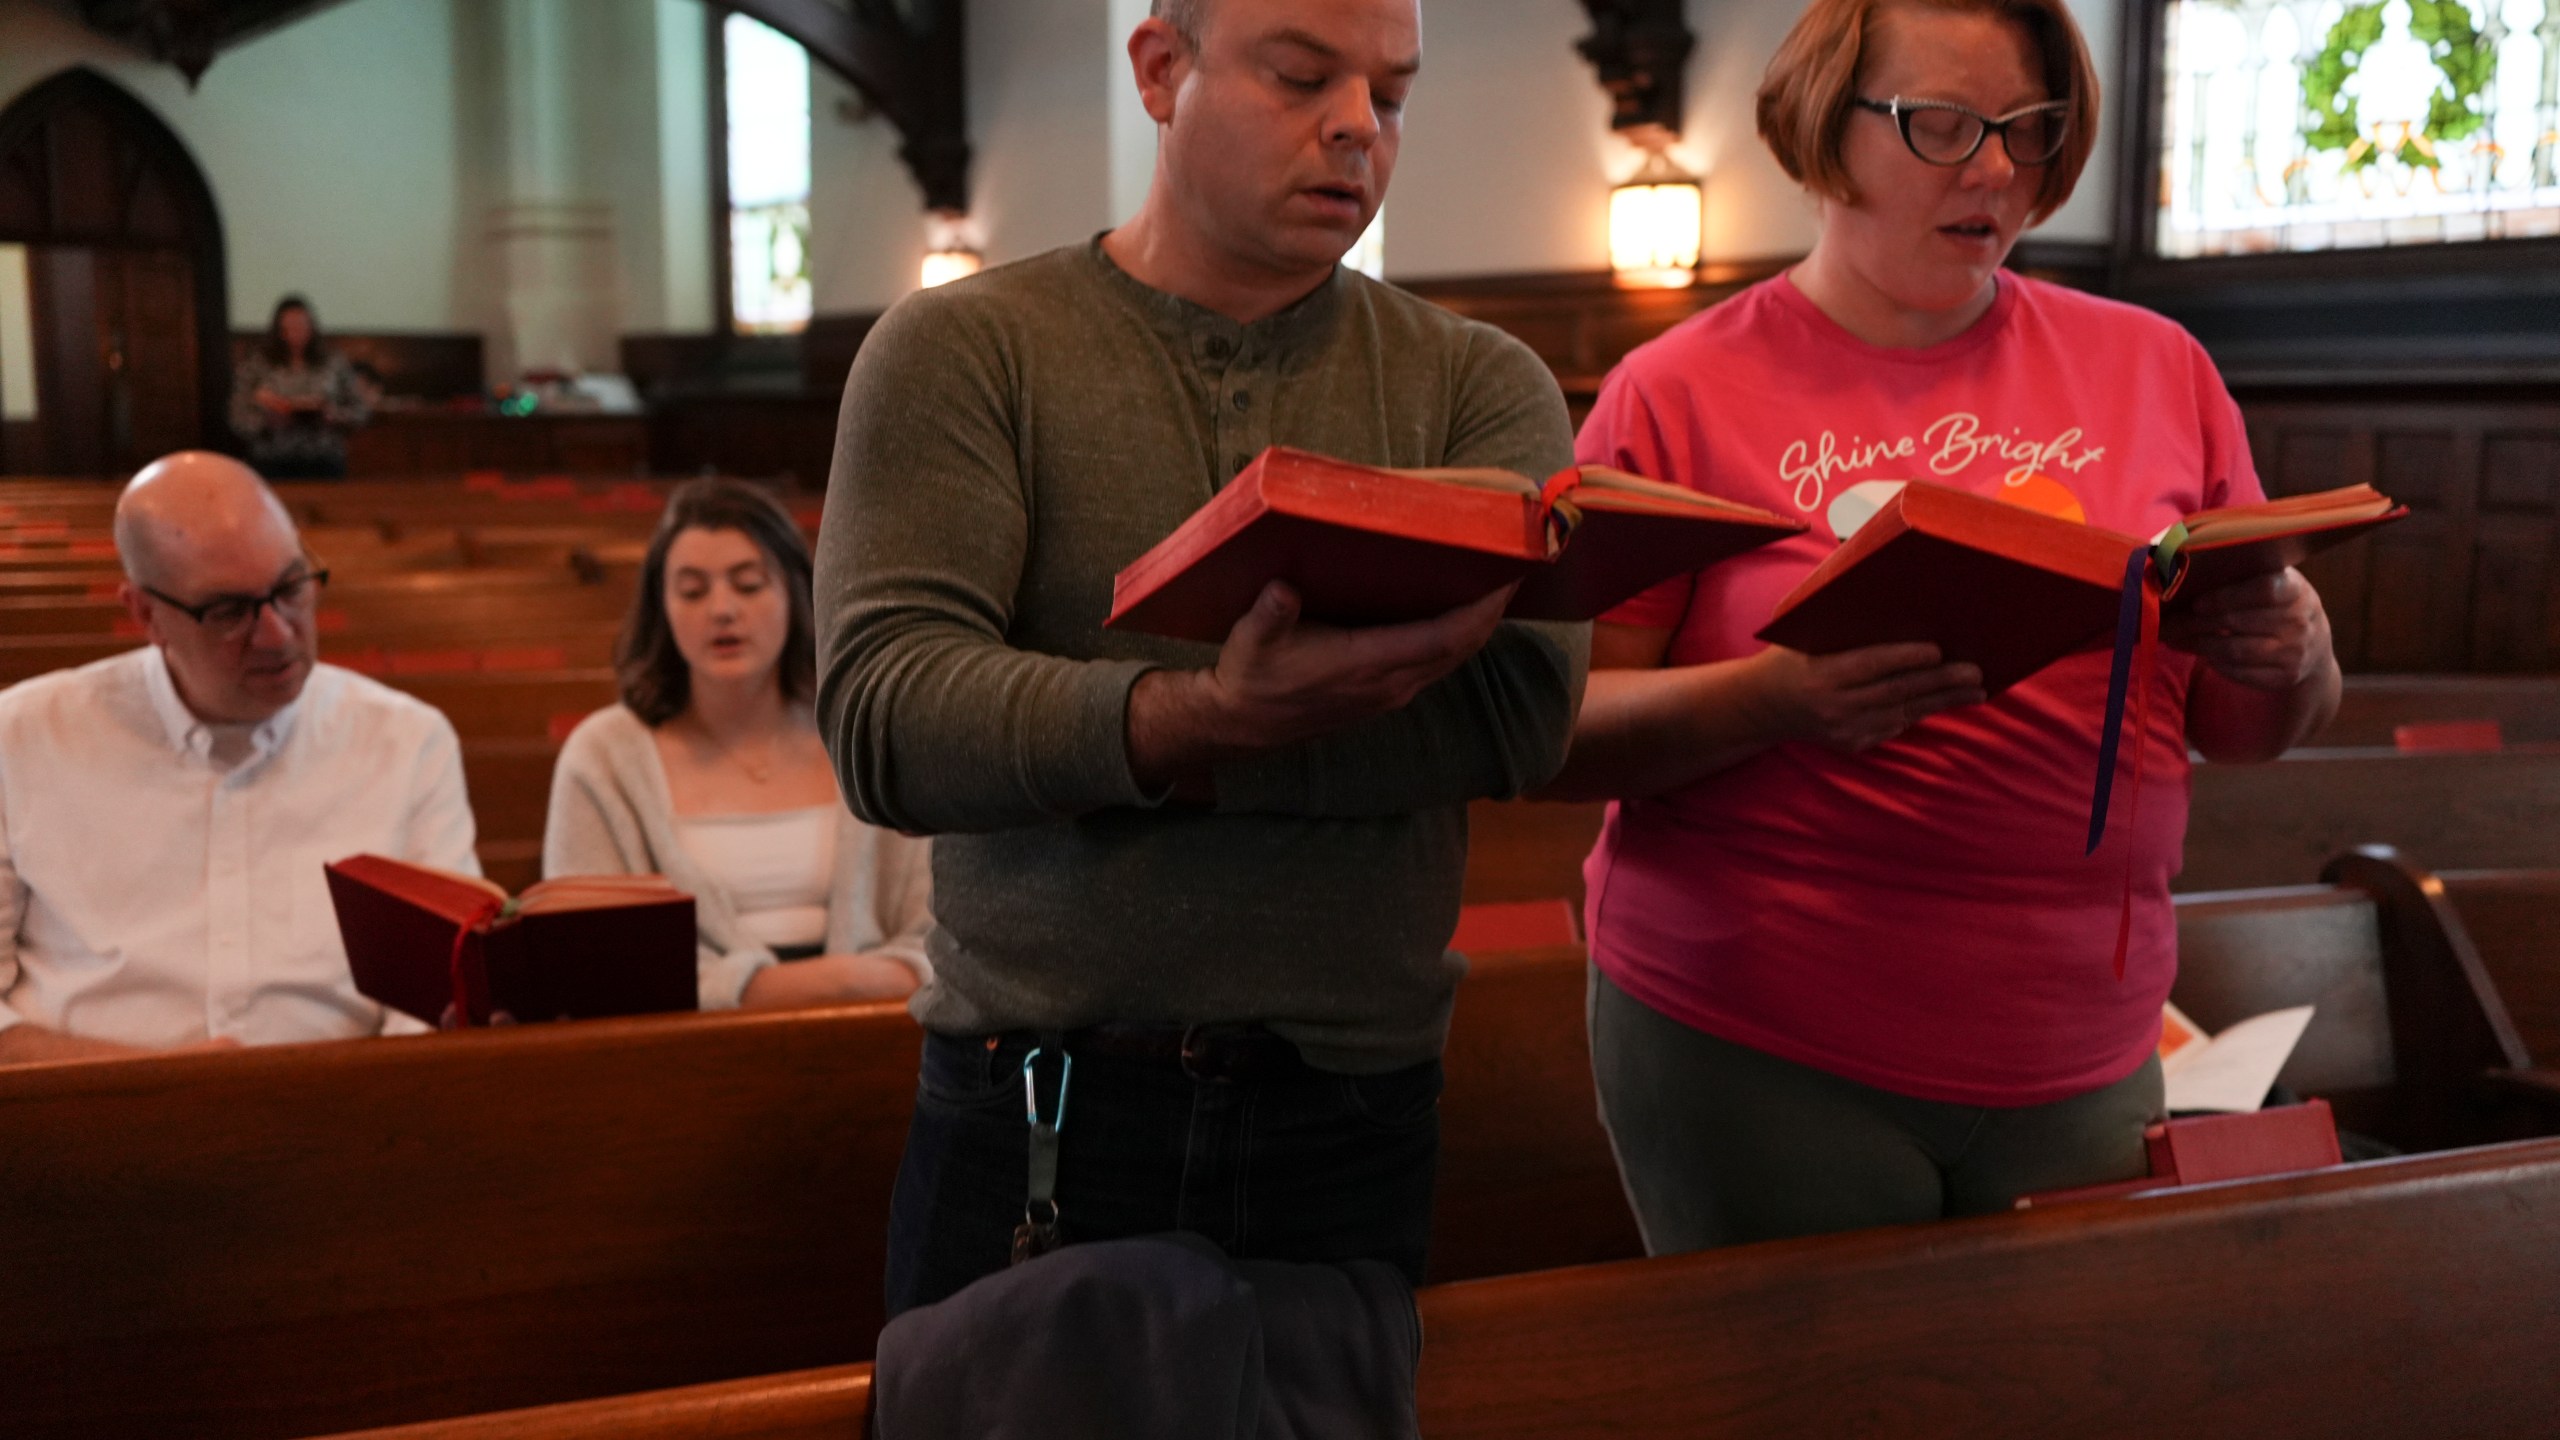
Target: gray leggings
x,y
1721,1144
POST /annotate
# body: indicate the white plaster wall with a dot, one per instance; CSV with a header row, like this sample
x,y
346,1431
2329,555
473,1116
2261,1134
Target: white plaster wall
x,y
1039,115
866,213
330,146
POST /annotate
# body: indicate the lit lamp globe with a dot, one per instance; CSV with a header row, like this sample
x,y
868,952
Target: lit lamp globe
x,y
1657,220
941,267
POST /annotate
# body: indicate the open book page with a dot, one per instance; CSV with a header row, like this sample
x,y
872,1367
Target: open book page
x,y
593,892
2231,1071
491,888
2236,524
1604,488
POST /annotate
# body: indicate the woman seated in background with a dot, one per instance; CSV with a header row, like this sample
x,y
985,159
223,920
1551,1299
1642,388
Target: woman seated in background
x,y
1854,967
711,772
294,399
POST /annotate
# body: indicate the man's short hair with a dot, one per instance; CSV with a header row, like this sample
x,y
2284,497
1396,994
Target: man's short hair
x,y
1804,97
1183,15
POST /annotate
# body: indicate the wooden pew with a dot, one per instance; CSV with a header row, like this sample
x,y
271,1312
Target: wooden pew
x,y
2275,824
2408,1027
2526,707
2403,1300
2513,920
1529,849
1527,1180
2408,1298
301,1239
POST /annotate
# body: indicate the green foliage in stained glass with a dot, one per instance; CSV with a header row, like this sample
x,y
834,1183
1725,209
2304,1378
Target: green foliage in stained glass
x,y
2330,118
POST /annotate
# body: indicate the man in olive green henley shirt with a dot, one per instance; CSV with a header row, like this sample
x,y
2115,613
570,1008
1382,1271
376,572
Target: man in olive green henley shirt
x,y
1226,877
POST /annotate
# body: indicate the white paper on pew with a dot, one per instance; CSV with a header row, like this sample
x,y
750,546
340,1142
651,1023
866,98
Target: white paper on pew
x,y
2233,1070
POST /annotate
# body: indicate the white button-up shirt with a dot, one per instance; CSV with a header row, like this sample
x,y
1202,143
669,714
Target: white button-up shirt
x,y
151,895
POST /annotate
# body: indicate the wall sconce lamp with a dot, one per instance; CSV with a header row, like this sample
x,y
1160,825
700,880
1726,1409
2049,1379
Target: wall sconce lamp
x,y
1657,220
951,257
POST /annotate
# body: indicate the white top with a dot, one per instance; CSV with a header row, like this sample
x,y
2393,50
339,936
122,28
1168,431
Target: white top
x,y
151,894
778,869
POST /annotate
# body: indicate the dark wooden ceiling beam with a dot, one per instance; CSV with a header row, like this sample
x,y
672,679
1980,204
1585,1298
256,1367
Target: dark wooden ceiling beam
x,y
189,33
1641,50
908,62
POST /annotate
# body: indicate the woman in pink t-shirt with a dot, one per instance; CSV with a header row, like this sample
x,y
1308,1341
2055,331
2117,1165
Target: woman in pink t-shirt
x,y
1852,966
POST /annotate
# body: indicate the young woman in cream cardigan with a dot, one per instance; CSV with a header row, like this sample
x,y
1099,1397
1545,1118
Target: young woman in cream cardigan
x,y
711,773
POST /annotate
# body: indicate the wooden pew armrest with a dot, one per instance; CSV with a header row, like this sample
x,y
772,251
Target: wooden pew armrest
x,y
2538,1087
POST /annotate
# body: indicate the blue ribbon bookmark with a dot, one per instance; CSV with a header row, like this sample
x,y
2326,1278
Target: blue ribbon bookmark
x,y
2137,567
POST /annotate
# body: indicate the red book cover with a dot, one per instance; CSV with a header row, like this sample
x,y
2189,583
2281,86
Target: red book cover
x,y
2279,1140
1988,583
571,948
2012,590
1364,545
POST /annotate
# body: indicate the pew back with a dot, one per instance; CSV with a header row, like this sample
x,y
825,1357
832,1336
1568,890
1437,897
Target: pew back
x,y
2513,917
2409,1298
302,1239
2404,1300
2276,824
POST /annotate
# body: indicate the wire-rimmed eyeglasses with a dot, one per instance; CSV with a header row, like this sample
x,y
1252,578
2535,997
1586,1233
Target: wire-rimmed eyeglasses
x,y
1945,133
229,617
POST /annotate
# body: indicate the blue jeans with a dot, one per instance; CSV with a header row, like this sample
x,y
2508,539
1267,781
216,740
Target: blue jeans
x,y
1306,1165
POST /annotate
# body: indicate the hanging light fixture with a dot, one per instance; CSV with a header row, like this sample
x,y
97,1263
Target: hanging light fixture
x,y
951,256
1657,221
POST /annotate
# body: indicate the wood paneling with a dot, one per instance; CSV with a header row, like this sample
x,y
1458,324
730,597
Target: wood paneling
x,y
421,364
431,442
2468,582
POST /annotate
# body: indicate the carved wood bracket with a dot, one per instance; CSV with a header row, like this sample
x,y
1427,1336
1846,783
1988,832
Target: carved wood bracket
x,y
906,57
1641,50
188,33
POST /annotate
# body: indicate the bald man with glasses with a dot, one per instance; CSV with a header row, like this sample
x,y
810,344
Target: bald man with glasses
x,y
165,813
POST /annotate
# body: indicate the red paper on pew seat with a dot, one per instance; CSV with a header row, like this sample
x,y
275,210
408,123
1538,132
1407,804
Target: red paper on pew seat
x,y
1515,925
525,657
431,662
551,487
484,481
2443,736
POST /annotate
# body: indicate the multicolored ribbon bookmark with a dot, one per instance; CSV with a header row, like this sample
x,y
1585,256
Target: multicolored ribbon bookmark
x,y
2137,636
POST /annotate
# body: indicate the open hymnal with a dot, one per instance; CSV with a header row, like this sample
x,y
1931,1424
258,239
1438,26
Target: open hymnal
x,y
1365,545
2231,1071
455,949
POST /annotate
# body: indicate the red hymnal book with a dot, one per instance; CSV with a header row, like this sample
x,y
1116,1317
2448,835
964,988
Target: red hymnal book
x,y
2012,590
1364,545
2200,1149
572,948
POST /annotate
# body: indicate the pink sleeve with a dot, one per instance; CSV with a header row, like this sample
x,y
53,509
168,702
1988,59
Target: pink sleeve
x,y
1624,434
2231,476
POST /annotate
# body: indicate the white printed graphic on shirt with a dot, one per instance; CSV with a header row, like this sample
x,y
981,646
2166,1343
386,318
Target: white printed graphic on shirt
x,y
1950,445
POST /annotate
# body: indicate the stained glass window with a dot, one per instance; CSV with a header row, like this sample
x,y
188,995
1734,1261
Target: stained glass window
x,y
2344,124
767,83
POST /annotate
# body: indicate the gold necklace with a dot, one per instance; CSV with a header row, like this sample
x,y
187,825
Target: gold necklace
x,y
760,773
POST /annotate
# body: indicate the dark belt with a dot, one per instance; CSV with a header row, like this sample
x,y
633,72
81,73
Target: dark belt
x,y
1228,1054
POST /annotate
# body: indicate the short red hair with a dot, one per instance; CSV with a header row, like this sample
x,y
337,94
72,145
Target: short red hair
x,y
1804,97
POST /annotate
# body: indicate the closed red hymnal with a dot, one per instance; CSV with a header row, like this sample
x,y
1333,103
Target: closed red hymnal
x,y
2201,1149
2012,591
572,948
1364,545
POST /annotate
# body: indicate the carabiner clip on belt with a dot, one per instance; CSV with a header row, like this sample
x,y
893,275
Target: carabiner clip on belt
x,y
1037,1235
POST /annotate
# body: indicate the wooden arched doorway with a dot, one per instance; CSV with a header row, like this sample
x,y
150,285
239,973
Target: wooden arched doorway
x,y
124,266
